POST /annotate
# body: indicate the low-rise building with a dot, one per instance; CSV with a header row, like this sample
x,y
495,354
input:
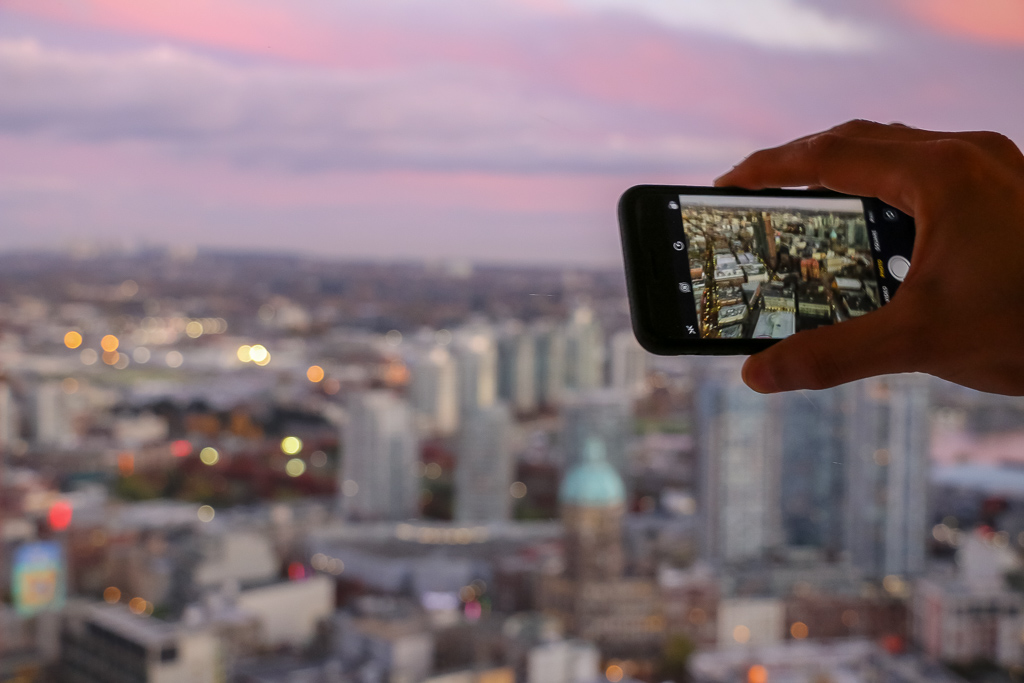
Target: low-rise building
x,y
289,612
849,661
730,315
109,643
774,325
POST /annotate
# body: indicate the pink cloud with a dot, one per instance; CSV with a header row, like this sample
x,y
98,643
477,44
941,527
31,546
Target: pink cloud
x,y
1000,22
250,27
614,58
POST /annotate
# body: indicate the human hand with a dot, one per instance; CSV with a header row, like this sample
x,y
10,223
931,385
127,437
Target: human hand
x,y
959,314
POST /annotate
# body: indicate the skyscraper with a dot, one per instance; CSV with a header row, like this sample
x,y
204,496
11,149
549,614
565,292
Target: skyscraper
x,y
605,414
628,363
54,415
813,456
378,476
584,351
484,470
9,431
476,359
517,374
549,357
887,474
433,390
741,458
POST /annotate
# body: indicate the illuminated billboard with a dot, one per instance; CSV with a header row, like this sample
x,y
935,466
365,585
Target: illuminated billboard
x,y
38,578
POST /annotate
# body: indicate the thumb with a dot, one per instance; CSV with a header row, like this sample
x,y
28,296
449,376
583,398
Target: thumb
x,y
879,343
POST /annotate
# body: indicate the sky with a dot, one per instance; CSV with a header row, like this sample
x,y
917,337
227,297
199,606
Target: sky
x,y
497,131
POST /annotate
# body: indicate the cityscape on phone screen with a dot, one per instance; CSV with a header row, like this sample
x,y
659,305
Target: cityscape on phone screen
x,y
766,267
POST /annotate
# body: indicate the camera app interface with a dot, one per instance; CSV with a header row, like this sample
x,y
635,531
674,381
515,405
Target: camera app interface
x,y
767,267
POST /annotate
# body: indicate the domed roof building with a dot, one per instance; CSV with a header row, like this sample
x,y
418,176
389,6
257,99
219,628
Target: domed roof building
x,y
593,482
593,499
594,598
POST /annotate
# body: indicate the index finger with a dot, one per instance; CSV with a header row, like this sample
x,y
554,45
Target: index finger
x,y
859,166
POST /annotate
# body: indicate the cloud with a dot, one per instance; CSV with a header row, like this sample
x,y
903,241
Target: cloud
x,y
441,117
780,24
999,22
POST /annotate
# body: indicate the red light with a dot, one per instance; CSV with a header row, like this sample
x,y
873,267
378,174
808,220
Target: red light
x,y
894,644
296,571
181,448
60,515
473,610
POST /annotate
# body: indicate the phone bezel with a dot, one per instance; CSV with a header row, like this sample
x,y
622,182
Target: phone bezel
x,y
644,227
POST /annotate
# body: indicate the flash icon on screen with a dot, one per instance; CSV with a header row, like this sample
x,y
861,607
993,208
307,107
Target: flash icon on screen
x,y
678,246
684,287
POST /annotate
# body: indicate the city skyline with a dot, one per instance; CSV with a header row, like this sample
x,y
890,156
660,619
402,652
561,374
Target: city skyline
x,y
322,473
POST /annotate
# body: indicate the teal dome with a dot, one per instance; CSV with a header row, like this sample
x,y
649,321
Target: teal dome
x,y
593,482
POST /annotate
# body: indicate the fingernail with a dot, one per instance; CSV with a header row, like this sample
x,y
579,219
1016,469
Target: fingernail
x,y
758,376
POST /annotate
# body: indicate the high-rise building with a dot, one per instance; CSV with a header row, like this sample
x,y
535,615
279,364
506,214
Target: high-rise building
x,y
887,475
549,362
813,453
9,430
741,458
843,470
378,476
606,414
433,390
628,363
584,351
54,415
484,470
517,372
476,358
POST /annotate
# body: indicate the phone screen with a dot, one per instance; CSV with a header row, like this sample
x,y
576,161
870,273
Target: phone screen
x,y
766,267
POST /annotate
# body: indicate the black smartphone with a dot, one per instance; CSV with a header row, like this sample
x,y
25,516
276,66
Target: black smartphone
x,y
728,271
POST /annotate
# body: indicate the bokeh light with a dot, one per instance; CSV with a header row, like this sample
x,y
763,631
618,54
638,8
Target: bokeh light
x,y
89,356
291,445
174,359
137,605
741,634
295,467
243,353
112,594
194,329
315,373
73,339
757,674
613,673
518,489
182,448
258,354
109,343
209,455
59,516
205,513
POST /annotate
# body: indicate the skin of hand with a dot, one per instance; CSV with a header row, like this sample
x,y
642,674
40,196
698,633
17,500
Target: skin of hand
x,y
959,314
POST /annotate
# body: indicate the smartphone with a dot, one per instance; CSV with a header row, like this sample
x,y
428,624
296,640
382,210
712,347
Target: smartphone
x,y
729,271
